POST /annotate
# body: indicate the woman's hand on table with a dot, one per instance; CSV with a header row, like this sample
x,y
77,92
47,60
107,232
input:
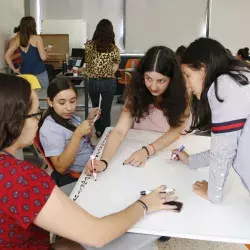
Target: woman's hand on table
x,y
181,156
99,166
137,159
201,188
155,200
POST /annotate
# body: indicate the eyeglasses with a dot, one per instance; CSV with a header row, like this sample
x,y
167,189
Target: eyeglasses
x,y
38,115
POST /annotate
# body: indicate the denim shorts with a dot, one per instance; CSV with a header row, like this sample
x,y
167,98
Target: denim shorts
x,y
43,79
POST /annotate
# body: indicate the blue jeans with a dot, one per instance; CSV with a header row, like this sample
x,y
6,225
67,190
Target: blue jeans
x,y
43,79
106,87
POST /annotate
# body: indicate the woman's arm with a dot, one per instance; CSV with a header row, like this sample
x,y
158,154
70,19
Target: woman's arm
x,y
10,52
40,47
165,140
140,156
199,160
117,135
114,140
15,56
222,153
228,119
63,217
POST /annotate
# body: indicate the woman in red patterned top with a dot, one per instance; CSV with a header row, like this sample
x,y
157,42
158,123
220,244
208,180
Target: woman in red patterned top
x,y
30,203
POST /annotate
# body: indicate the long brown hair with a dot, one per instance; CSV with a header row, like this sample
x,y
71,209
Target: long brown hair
x,y
27,28
104,36
162,60
15,103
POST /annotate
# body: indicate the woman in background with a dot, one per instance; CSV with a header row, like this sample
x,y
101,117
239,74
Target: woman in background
x,y
102,61
31,47
243,54
179,52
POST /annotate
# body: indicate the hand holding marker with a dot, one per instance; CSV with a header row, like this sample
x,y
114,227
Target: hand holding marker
x,y
92,158
178,204
181,148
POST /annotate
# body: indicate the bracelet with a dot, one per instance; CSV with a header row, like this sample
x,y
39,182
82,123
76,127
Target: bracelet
x,y
146,150
144,206
153,148
106,163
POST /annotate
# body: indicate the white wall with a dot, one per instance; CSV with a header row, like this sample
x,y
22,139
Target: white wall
x,y
230,23
90,10
163,22
11,11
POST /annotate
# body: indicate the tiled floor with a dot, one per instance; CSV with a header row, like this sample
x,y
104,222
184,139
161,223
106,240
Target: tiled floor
x,y
184,244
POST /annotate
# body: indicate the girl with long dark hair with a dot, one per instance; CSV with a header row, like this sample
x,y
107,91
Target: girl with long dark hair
x,y
64,137
156,101
102,61
221,102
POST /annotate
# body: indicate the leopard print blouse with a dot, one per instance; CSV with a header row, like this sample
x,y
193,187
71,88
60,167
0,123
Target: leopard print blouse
x,y
100,65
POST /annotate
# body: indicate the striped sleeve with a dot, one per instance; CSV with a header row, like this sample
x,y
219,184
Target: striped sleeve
x,y
199,160
228,120
229,126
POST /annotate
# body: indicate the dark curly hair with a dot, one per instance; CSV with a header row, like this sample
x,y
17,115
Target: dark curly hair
x,y
104,36
209,53
15,103
162,60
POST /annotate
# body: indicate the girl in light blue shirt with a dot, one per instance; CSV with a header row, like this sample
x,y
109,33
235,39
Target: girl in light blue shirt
x,y
64,137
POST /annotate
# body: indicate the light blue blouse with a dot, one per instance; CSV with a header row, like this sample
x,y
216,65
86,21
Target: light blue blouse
x,y
55,138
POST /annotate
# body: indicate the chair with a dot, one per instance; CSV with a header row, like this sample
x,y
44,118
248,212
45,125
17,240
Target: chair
x,y
60,179
126,77
35,84
39,148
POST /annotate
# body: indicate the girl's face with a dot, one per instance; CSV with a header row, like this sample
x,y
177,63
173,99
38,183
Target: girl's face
x,y
64,103
156,82
195,79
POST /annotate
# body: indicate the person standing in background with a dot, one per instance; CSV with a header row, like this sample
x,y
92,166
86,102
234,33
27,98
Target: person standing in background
x,y
179,52
31,47
243,55
102,61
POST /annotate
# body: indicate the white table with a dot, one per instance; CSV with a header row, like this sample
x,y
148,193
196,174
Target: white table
x,y
120,185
